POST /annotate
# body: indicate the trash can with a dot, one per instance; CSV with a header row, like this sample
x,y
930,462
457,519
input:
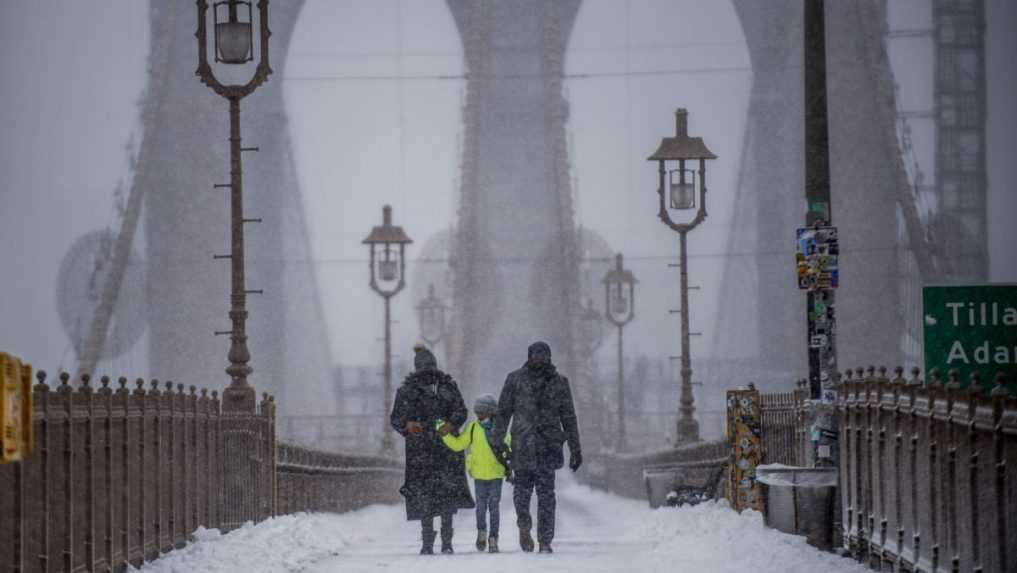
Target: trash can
x,y
800,501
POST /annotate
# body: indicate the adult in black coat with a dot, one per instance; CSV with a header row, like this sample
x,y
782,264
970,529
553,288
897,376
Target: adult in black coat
x,y
537,401
435,481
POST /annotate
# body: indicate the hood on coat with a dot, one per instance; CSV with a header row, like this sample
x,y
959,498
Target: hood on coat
x,y
539,361
539,352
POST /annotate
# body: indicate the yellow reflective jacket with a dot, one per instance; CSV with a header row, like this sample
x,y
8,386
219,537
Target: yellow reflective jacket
x,y
480,460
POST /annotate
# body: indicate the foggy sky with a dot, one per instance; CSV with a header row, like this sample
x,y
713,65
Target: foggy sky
x,y
72,74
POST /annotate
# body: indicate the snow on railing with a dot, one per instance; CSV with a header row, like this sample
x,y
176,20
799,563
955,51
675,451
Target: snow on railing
x,y
119,475
928,471
314,480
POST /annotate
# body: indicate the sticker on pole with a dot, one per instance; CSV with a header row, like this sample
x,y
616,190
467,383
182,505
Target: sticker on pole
x,y
816,253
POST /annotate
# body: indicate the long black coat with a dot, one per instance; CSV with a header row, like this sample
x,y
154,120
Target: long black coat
x,y
543,418
435,481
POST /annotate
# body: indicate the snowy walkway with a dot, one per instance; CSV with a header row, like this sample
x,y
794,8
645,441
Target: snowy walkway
x,y
596,532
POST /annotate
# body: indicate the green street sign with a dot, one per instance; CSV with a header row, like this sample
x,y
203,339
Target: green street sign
x,y
971,328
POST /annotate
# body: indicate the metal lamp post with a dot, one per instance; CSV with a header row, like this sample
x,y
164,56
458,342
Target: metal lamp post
x,y
233,45
431,313
620,308
678,191
387,246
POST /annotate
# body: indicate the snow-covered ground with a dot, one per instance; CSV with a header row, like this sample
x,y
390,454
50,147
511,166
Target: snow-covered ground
x,y
596,532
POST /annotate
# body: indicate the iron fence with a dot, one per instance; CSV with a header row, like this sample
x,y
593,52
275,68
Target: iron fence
x,y
312,480
783,427
121,475
928,473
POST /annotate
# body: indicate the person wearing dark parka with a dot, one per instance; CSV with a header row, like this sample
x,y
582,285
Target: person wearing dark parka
x,y
537,402
428,406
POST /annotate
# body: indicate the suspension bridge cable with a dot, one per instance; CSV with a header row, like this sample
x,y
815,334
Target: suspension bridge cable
x,y
568,76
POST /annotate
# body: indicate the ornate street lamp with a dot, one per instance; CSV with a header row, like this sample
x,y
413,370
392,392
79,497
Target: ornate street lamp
x,y
431,313
620,309
678,190
233,45
387,246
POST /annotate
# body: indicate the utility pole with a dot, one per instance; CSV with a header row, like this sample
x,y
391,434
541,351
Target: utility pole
x,y
821,336
818,250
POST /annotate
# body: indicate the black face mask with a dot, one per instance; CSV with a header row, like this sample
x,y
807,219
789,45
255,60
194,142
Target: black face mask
x,y
541,369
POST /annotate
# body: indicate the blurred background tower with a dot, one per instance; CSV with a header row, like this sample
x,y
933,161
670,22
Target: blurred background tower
x,y
183,153
916,231
959,106
515,254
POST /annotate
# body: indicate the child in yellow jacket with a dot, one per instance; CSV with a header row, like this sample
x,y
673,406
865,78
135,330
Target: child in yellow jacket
x,y
483,466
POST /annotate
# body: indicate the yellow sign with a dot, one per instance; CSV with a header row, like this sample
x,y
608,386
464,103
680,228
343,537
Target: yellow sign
x,y
15,409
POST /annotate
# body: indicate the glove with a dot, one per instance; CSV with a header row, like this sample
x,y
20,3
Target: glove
x,y
510,476
443,429
502,456
575,460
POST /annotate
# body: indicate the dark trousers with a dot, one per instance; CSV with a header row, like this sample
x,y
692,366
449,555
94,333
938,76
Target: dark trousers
x,y
427,527
543,481
488,499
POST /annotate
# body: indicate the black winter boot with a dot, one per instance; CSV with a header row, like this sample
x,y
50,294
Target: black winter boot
x,y
427,548
481,539
446,540
492,544
525,540
545,548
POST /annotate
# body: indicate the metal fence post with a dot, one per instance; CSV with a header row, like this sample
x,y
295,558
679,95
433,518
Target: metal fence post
x,y
1005,438
146,440
897,422
106,395
42,404
66,394
85,392
218,485
124,522
191,462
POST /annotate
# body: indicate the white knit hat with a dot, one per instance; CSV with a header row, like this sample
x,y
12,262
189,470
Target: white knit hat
x,y
485,404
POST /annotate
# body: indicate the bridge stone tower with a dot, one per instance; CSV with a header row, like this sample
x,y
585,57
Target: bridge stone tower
x,y
514,254
184,151
514,264
762,313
